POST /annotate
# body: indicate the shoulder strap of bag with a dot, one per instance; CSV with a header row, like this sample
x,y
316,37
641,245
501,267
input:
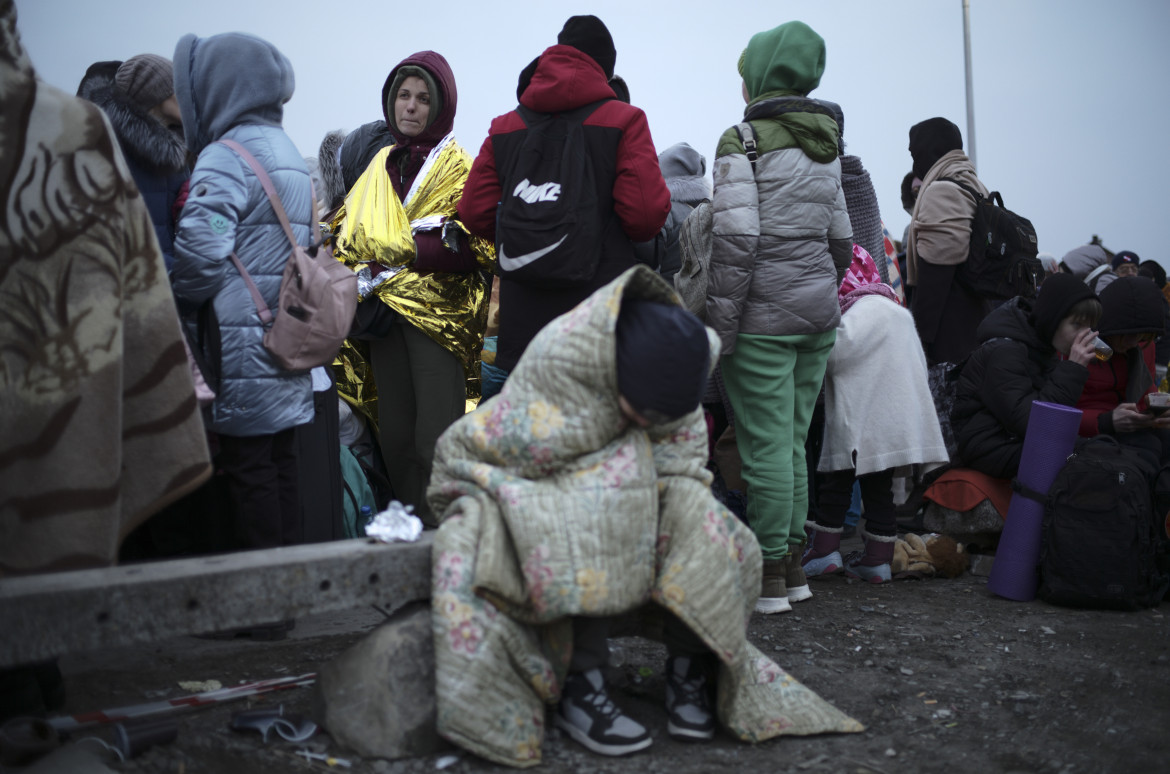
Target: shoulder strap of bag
x,y
993,196
579,114
1092,276
270,189
261,307
748,137
282,216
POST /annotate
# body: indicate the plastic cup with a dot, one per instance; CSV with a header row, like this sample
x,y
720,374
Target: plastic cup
x,y
1102,350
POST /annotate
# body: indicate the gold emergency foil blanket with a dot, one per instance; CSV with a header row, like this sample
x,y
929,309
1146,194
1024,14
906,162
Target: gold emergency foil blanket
x,y
371,226
374,227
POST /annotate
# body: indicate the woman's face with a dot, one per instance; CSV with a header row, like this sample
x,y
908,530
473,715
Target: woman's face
x,y
412,106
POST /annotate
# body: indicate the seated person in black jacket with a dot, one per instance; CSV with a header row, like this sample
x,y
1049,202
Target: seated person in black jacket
x,y
1017,362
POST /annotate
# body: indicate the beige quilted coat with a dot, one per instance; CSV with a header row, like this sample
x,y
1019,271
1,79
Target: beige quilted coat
x,y
554,506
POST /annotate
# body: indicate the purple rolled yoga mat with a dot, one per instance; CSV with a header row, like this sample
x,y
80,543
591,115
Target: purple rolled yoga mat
x,y
1052,431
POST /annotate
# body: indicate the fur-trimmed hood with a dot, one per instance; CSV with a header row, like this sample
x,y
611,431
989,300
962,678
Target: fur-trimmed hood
x,y
142,136
333,188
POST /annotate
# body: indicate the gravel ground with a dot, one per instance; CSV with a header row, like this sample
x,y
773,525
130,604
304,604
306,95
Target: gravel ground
x,y
946,677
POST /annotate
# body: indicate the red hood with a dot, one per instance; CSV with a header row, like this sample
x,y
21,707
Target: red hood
x,y
566,78
435,64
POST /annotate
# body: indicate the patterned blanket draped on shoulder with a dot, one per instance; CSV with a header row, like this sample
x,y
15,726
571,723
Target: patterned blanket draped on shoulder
x,y
554,507
99,426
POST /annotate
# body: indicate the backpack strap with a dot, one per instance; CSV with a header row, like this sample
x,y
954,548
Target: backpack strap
x,y
282,216
993,196
270,189
748,137
530,116
261,307
1023,489
1091,277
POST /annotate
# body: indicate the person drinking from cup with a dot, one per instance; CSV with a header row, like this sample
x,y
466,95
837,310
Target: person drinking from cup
x,y
1019,360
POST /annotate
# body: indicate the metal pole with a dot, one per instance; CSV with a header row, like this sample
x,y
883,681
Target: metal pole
x,y
970,91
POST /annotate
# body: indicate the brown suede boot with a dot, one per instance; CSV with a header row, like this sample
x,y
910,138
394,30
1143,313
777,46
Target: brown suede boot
x,y
794,578
774,592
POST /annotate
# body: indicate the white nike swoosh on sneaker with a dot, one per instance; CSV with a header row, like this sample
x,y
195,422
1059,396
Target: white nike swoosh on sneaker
x,y
510,263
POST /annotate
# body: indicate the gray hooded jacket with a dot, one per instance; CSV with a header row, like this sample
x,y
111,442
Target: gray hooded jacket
x,y
234,86
685,172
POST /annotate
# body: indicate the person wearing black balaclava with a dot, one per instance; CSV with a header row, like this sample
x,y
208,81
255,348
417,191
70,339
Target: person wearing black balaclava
x,y
945,313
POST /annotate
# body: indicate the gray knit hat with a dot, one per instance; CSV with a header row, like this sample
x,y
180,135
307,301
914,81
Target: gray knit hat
x,y
147,79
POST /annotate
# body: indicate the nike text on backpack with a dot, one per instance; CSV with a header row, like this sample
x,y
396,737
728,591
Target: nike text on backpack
x,y
548,228
1104,545
1001,262
318,294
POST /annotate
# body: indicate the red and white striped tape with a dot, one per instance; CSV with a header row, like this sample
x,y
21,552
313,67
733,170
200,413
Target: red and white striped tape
x,y
66,723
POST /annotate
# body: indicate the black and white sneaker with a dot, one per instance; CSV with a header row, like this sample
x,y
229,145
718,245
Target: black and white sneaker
x,y
688,700
587,714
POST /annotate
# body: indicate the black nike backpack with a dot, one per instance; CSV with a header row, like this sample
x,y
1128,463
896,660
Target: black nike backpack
x,y
1103,545
548,228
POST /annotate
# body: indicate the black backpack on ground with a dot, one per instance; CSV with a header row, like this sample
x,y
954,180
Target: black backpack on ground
x,y
1002,261
1103,545
549,229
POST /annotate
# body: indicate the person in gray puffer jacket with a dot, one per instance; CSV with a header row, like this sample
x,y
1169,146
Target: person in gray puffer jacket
x,y
685,171
234,86
781,243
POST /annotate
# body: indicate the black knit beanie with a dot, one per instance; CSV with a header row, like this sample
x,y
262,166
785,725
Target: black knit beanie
x,y
930,140
589,35
662,357
1131,305
1125,256
1058,294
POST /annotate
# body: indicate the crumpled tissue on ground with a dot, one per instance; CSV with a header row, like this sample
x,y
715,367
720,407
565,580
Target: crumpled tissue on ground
x,y
396,524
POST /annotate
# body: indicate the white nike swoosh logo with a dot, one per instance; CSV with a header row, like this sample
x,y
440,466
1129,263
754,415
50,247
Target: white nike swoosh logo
x,y
509,263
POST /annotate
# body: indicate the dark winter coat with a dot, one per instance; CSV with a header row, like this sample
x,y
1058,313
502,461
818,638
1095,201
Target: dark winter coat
x,y
156,156
626,170
1011,368
946,314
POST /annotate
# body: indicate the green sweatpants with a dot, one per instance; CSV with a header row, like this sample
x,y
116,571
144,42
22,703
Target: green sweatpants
x,y
773,382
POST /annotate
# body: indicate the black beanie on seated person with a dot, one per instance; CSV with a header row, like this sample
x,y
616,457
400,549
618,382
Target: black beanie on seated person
x,y
1059,293
1131,305
663,357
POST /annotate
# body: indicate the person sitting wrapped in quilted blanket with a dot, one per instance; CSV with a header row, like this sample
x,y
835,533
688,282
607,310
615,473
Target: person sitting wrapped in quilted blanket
x,y
579,493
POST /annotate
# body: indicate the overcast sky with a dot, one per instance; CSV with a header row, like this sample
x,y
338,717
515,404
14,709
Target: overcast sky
x,y
1069,94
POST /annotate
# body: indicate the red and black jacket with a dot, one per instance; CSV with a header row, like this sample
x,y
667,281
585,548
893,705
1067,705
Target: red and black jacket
x,y
625,168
